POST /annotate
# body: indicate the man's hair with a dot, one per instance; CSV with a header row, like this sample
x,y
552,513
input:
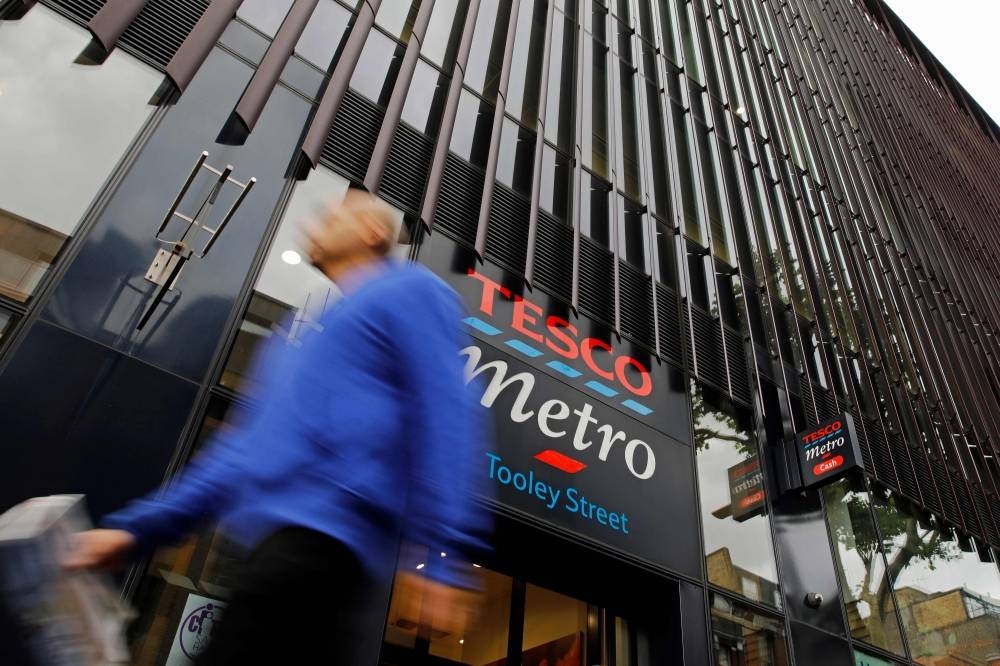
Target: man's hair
x,y
366,204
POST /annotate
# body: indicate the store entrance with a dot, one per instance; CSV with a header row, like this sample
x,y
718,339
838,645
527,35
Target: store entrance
x,y
547,601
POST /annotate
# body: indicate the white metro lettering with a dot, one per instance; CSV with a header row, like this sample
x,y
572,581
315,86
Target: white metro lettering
x,y
552,411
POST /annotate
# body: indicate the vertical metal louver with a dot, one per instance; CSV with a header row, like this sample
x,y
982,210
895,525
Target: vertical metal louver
x,y
457,210
155,34
739,371
635,291
507,232
597,282
949,502
709,359
406,169
866,452
553,270
349,145
904,470
671,342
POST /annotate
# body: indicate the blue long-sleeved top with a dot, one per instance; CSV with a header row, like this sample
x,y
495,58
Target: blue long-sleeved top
x,y
364,432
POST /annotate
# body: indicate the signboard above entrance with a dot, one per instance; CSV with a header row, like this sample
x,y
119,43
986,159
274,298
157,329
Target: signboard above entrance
x,y
827,451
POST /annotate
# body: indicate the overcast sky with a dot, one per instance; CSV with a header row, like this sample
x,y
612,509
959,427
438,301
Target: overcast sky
x,y
962,34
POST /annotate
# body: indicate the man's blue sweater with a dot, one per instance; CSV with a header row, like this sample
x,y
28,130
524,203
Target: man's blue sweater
x,y
364,432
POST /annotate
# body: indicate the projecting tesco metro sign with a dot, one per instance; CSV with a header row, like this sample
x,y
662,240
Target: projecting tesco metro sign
x,y
827,451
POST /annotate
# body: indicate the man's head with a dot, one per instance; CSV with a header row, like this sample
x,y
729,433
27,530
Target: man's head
x,y
358,230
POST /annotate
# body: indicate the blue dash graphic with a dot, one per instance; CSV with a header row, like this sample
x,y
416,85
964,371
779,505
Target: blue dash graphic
x,y
601,388
559,366
525,349
637,407
481,326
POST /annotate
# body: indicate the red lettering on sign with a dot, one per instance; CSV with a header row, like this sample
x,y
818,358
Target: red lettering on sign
x,y
588,356
556,325
520,317
561,337
753,498
822,432
490,288
828,465
645,387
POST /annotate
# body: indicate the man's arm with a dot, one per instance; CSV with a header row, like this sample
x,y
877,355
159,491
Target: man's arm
x,y
448,437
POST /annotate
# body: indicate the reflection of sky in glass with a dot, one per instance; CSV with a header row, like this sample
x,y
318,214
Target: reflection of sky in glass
x,y
749,542
63,126
294,284
265,15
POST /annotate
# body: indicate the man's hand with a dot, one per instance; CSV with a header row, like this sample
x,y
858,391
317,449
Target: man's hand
x,y
100,549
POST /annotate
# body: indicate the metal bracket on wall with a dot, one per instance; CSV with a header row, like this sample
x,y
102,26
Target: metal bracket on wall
x,y
170,261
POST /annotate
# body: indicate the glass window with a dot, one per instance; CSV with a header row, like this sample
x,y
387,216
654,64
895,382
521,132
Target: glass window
x,y
738,544
864,579
179,579
289,295
7,321
595,114
595,210
667,23
324,33
559,106
265,15
714,195
692,57
397,17
377,67
949,599
556,186
444,32
424,103
660,186
555,628
666,254
516,157
482,72
633,233
628,156
687,169
470,139
743,637
63,127
483,642
524,86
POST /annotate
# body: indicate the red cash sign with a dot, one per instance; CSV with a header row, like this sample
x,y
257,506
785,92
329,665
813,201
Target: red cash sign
x,y
561,337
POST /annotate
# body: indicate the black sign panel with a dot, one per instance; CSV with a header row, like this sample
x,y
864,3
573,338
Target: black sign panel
x,y
746,489
590,430
827,451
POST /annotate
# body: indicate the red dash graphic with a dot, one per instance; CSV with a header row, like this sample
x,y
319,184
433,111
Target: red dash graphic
x,y
560,461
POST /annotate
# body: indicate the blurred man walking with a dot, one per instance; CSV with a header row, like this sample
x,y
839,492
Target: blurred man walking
x,y
360,436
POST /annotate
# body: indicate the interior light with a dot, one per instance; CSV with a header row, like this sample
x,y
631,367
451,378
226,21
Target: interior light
x,y
444,554
291,257
420,566
461,641
741,112
478,566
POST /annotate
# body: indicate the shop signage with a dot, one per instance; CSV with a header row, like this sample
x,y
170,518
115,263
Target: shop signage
x,y
590,431
198,619
827,451
746,489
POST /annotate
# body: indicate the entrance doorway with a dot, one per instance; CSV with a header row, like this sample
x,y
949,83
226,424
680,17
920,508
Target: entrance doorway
x,y
546,601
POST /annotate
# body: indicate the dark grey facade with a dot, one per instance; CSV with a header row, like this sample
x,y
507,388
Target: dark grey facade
x,y
707,226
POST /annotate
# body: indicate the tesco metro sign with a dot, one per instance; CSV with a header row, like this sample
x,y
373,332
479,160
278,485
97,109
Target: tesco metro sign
x,y
828,450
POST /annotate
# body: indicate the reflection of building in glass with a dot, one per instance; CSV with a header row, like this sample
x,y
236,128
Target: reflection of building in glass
x,y
724,573
953,627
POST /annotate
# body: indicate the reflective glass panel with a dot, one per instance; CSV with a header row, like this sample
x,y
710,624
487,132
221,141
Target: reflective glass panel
x,y
426,98
326,29
516,157
482,73
444,32
864,581
742,637
739,552
470,139
397,17
377,67
595,114
524,87
7,321
595,211
559,121
556,186
265,15
949,599
63,127
289,295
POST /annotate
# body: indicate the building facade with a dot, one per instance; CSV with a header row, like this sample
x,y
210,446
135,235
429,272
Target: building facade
x,y
684,230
